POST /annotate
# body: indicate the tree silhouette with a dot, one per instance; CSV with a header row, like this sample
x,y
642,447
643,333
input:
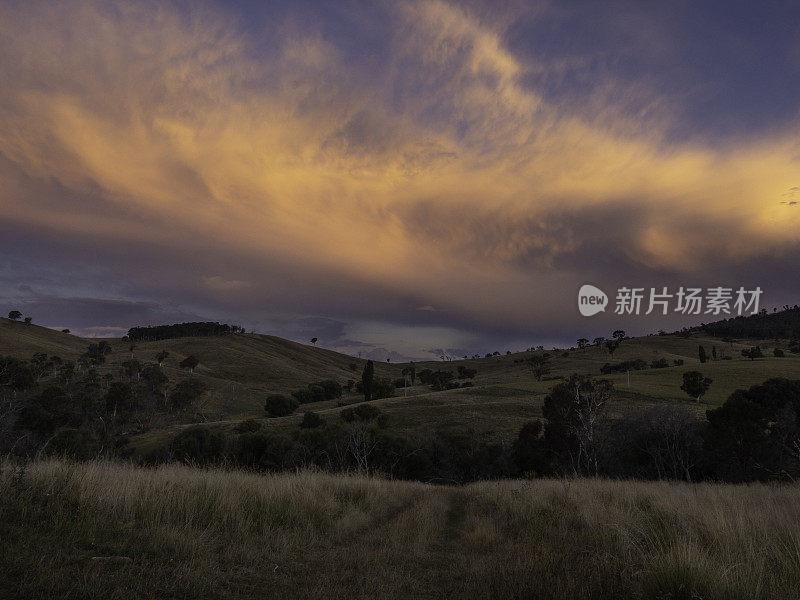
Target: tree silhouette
x,y
15,315
539,365
695,384
702,353
314,341
28,320
367,379
190,362
582,342
161,357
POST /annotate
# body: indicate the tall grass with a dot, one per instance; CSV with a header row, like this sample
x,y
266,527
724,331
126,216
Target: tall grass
x,y
184,532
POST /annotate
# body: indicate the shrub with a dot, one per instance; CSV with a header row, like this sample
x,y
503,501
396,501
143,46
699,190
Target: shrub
x,y
424,376
266,449
248,426
753,353
465,373
279,405
661,363
317,392
628,365
199,444
186,392
362,412
77,443
331,389
440,380
303,396
311,420
382,387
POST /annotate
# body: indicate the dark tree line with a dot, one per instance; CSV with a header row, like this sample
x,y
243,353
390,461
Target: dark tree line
x,y
54,406
764,325
195,329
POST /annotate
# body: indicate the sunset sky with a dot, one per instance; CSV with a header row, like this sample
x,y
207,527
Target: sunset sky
x,y
409,176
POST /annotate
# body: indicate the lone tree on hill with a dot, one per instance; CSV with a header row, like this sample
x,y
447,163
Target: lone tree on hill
x,y
582,343
367,379
539,365
314,341
161,357
28,320
695,384
190,362
15,315
618,335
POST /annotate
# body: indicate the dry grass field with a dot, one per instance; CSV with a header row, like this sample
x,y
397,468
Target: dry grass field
x,y
113,531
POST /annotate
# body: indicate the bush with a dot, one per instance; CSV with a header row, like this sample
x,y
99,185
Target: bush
x,y
442,380
248,426
753,353
465,373
199,444
382,387
661,363
424,376
303,396
311,420
279,405
266,450
628,365
75,443
186,392
48,411
362,412
318,391
331,389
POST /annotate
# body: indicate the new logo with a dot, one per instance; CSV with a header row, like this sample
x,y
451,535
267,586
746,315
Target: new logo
x,y
591,300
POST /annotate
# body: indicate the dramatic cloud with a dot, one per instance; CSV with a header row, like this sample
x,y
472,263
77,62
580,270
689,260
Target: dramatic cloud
x,y
432,180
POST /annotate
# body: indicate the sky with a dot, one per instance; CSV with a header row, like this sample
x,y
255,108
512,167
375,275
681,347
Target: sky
x,y
401,179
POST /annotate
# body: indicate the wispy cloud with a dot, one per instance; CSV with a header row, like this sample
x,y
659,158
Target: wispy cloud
x,y
434,174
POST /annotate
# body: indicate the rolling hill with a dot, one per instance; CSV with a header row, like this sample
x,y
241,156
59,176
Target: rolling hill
x,y
241,370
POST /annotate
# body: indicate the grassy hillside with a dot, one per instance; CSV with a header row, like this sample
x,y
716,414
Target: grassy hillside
x,y
22,341
104,530
241,370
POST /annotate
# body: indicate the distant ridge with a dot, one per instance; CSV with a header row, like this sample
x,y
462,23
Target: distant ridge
x,y
784,324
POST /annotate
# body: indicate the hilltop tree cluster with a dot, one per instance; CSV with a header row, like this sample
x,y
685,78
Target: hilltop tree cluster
x,y
178,330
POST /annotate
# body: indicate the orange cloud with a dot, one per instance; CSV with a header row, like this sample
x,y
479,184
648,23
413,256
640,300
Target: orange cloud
x,y
296,156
